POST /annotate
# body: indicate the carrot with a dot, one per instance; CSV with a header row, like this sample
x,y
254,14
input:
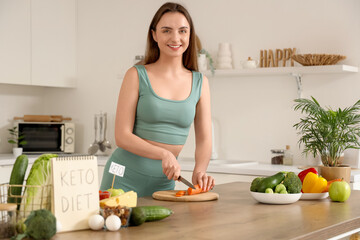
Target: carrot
x,y
192,191
330,182
180,193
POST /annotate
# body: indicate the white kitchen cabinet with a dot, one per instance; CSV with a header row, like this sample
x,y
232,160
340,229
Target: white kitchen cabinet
x,y
38,42
53,25
15,49
5,173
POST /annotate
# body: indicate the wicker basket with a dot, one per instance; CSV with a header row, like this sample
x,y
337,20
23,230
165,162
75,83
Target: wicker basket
x,y
26,202
317,59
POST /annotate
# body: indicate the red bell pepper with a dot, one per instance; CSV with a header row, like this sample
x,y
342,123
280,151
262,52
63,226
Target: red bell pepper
x,y
303,174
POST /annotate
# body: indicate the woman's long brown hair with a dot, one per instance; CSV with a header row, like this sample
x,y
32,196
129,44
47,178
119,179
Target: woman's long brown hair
x,y
152,52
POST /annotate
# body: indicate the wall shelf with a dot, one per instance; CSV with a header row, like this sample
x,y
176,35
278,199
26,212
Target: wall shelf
x,y
296,72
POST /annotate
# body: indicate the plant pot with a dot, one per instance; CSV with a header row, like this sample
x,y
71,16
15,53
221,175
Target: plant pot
x,y
17,152
331,173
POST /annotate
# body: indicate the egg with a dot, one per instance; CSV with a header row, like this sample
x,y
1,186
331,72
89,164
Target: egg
x,y
96,222
113,223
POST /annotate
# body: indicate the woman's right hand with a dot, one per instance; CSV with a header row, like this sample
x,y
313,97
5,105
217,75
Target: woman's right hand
x,y
170,165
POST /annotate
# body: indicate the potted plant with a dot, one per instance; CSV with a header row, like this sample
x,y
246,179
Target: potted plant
x,y
203,58
16,138
328,133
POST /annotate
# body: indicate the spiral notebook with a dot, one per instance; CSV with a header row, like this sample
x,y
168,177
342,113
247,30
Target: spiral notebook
x,y
75,193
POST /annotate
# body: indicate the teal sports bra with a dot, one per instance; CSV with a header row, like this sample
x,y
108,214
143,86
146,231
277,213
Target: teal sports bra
x,y
164,120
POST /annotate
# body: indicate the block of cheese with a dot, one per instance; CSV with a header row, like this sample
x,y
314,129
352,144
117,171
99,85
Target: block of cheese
x,y
128,199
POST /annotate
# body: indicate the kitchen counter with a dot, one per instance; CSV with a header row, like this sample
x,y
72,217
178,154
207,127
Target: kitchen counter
x,y
236,215
251,168
238,167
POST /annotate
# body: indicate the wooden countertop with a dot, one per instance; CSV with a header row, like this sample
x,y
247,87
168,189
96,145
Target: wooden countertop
x,y
236,215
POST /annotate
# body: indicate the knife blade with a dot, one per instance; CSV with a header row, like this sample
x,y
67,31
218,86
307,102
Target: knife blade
x,y
186,182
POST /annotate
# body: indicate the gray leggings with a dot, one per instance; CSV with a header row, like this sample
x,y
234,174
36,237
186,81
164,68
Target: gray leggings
x,y
142,175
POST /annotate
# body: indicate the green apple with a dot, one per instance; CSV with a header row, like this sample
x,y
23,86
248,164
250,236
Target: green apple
x,y
339,191
115,192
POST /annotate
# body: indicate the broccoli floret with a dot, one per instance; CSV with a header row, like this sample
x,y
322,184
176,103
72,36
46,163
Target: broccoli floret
x,y
255,183
40,224
292,183
280,187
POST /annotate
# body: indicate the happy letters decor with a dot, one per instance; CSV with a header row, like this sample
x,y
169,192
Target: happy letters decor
x,y
286,57
75,187
279,58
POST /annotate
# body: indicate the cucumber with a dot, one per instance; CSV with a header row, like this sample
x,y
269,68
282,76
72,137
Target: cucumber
x,y
139,215
270,182
154,213
17,178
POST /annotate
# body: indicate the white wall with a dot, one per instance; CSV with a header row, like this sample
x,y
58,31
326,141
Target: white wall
x,y
252,114
16,101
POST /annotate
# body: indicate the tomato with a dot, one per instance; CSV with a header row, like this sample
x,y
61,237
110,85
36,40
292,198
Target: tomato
x,y
104,194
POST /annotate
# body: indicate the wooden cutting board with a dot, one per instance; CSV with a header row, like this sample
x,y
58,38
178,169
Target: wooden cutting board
x,y
169,195
42,118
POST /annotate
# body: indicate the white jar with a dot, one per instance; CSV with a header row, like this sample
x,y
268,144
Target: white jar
x,y
249,64
202,62
224,60
224,47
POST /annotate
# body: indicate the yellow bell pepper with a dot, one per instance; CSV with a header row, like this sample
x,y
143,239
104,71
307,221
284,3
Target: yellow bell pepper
x,y
313,183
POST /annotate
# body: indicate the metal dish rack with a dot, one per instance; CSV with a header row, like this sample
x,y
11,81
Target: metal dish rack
x,y
27,202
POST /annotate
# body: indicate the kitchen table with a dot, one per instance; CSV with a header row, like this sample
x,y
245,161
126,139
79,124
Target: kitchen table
x,y
236,215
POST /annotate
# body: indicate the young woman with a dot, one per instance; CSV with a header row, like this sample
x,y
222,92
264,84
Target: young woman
x,y
157,103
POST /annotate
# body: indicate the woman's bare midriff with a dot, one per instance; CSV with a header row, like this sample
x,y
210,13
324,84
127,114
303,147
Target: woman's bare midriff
x,y
174,149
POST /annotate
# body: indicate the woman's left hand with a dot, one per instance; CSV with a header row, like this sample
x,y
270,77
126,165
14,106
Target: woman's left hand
x,y
205,182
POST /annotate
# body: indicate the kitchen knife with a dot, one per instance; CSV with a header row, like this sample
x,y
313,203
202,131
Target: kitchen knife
x,y
186,182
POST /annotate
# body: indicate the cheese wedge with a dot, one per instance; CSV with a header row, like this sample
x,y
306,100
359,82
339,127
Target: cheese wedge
x,y
128,199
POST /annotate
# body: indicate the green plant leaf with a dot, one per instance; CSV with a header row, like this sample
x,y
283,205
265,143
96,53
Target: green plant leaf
x,y
326,132
17,137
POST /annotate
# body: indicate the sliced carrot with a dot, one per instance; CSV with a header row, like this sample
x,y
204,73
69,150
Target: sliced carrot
x,y
330,182
180,193
192,191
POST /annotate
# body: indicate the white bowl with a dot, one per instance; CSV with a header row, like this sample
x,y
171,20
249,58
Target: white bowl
x,y
313,196
276,198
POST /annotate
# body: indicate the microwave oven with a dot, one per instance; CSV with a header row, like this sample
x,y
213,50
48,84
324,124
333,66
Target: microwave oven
x,y
47,137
